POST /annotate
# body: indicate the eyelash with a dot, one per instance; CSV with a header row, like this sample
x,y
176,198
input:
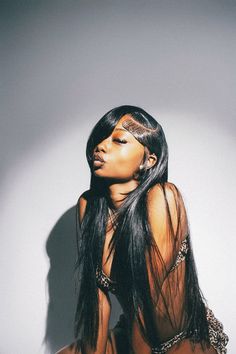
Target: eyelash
x,y
121,141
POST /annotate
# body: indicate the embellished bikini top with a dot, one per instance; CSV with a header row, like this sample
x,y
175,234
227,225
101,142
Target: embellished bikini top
x,y
107,284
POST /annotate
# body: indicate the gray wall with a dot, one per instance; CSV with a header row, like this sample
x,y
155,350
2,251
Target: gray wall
x,y
63,65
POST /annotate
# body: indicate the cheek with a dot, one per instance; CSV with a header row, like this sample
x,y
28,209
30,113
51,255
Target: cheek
x,y
122,163
128,160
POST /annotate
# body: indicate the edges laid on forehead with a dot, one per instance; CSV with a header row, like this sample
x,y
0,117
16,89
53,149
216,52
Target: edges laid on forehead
x,y
133,126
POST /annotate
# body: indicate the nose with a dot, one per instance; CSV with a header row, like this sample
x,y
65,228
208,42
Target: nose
x,y
102,146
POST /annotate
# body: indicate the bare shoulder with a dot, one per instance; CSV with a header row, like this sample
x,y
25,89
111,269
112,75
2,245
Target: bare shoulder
x,y
82,203
165,202
160,191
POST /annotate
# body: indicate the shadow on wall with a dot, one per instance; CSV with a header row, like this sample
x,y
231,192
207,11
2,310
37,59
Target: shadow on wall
x,y
62,287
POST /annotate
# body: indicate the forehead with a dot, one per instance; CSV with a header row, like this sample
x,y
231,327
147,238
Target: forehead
x,y
120,128
120,122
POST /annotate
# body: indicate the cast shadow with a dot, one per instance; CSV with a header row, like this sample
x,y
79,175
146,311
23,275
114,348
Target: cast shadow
x,y
63,284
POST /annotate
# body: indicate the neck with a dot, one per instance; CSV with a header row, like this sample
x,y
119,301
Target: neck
x,y
115,190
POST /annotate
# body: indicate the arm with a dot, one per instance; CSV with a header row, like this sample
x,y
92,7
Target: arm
x,y
104,315
104,302
168,225
103,327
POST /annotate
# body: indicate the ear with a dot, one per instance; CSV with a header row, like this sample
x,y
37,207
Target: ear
x,y
151,160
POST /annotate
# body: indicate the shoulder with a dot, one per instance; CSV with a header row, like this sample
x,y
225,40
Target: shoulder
x,y
84,197
165,205
163,191
82,203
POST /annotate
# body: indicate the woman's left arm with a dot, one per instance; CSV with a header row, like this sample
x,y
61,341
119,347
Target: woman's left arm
x,y
168,224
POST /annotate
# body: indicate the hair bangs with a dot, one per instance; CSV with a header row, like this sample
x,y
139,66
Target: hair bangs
x,y
101,131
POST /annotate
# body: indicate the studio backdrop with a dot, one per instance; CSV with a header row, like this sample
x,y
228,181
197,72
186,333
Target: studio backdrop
x,y
63,65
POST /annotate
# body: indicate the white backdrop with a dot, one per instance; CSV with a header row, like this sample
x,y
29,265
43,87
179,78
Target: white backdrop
x,y
66,63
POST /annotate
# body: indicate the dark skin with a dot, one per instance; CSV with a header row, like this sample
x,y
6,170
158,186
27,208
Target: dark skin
x,y
123,156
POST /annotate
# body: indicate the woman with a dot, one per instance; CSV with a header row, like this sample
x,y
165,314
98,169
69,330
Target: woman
x,y
135,242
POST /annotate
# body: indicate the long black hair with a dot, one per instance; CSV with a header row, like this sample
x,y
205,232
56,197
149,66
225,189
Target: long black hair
x,y
133,241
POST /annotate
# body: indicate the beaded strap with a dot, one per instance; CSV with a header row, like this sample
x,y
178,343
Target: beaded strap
x,y
104,282
165,346
218,338
181,254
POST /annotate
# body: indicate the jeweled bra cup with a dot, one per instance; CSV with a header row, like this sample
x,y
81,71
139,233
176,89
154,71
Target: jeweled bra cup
x,y
106,284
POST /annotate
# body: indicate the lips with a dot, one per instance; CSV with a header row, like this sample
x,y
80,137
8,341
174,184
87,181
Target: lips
x,y
98,158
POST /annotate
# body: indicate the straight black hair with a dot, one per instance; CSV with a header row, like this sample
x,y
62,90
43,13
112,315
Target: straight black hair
x,y
132,240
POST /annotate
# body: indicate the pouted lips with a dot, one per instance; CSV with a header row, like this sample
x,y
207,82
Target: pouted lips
x,y
98,158
98,163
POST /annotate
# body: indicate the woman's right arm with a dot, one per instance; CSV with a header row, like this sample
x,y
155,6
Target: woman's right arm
x,y
103,326
104,303
103,329
82,202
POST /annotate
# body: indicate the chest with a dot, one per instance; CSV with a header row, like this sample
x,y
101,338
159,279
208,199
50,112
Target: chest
x,y
107,262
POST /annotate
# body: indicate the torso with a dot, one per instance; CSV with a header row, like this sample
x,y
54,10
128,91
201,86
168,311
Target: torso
x,y
107,264
107,267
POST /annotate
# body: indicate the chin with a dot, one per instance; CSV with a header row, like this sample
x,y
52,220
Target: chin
x,y
99,174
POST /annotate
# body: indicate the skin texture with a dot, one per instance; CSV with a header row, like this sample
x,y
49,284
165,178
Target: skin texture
x,y
122,161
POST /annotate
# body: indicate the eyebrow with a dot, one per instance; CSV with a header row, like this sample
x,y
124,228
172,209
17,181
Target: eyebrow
x,y
121,129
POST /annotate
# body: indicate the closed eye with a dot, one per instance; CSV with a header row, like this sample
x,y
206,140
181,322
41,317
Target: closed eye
x,y
120,141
